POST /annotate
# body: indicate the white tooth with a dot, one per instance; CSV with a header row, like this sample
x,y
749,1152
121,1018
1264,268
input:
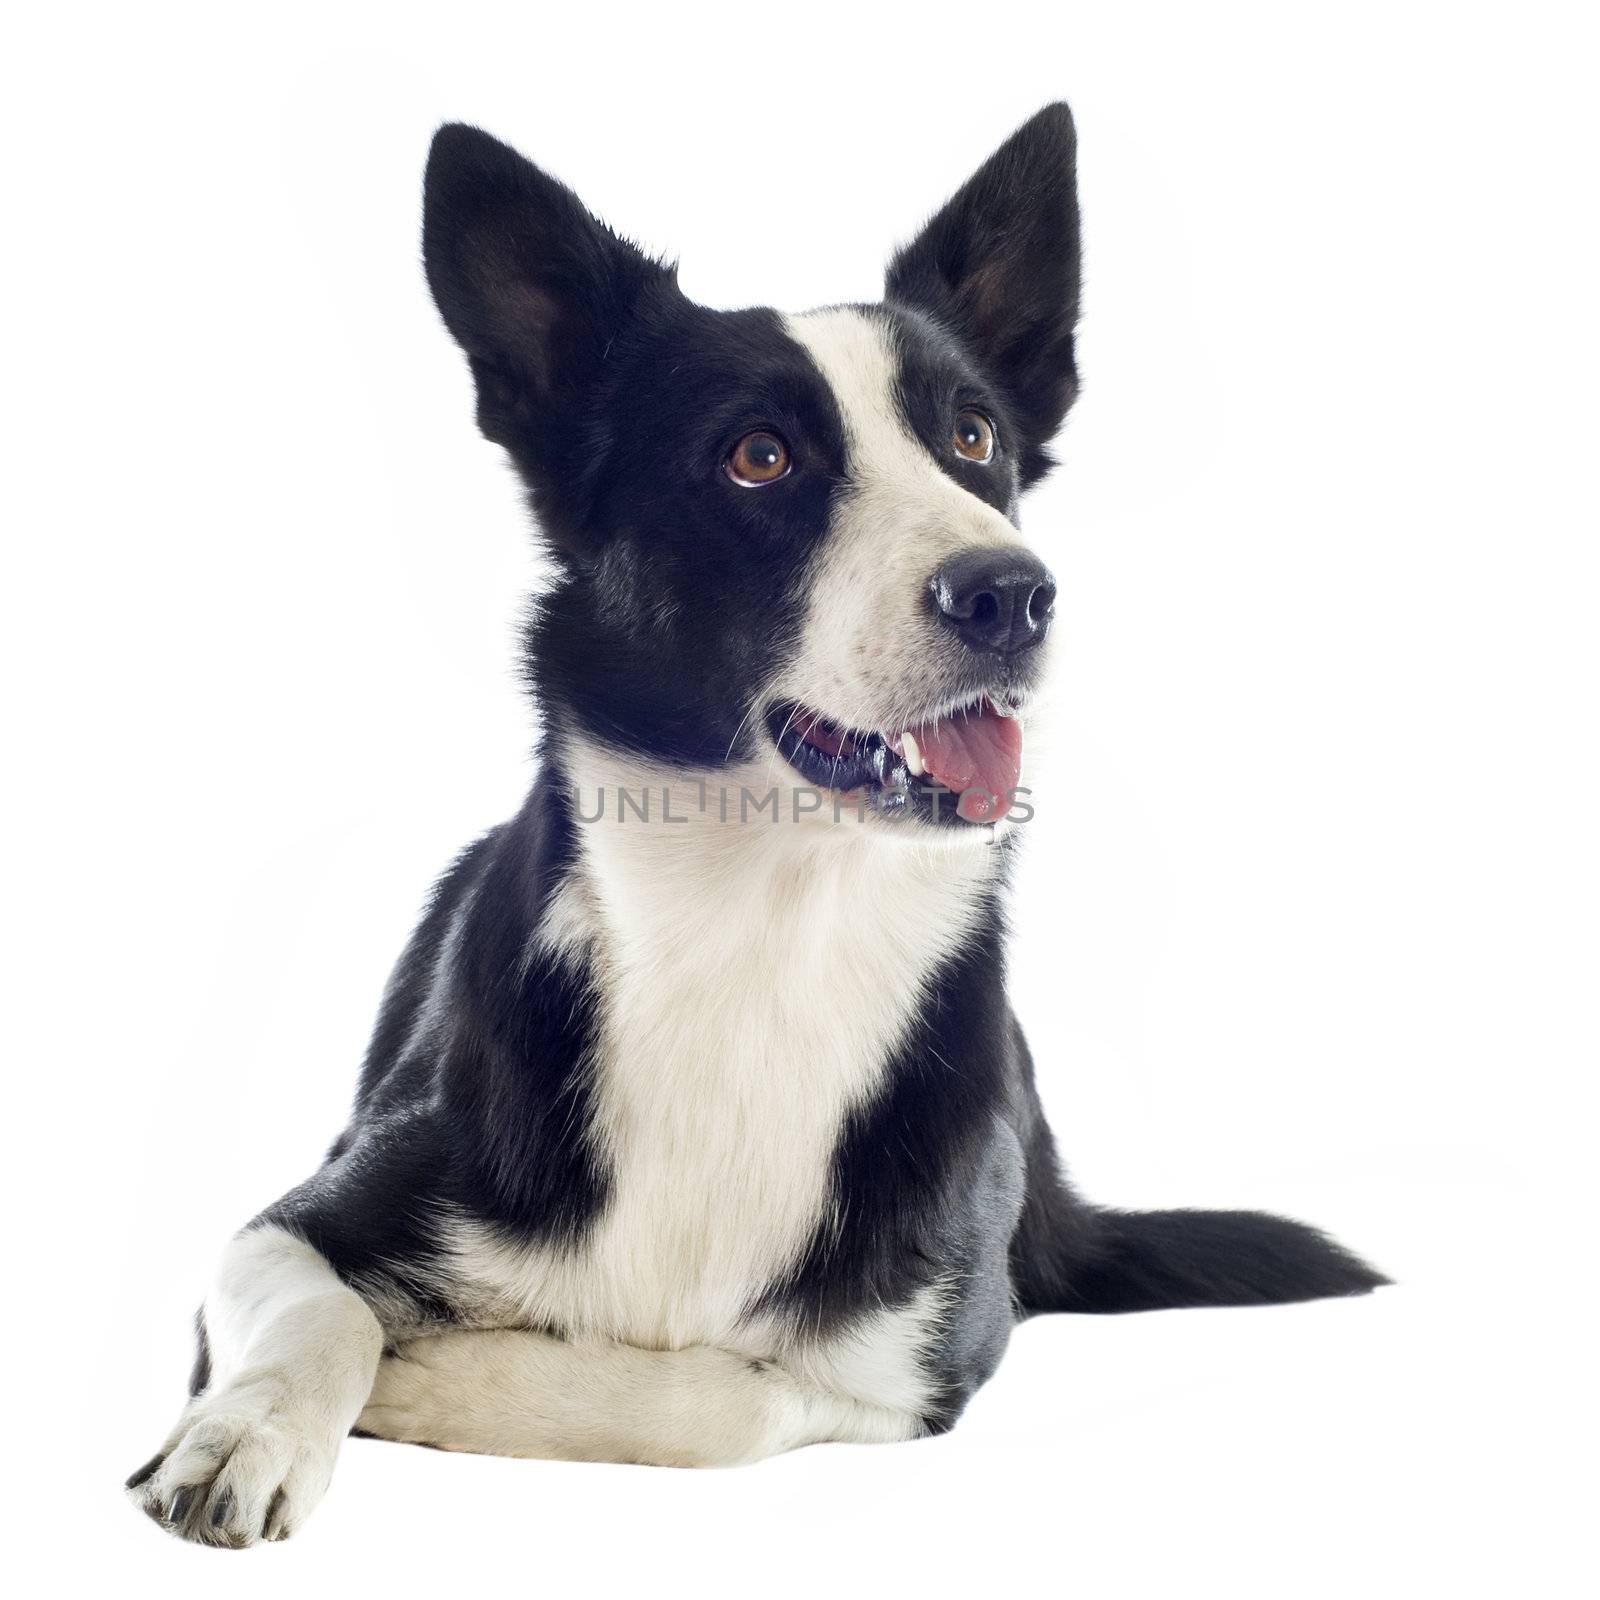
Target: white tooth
x,y
1003,710
908,748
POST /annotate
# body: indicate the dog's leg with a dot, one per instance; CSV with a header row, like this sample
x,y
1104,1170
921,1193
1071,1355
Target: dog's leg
x,y
528,1394
292,1352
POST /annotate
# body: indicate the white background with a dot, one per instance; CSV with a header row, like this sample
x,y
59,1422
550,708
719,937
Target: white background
x,y
1309,914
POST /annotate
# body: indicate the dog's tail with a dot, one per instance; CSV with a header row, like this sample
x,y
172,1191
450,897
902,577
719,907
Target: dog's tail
x,y
1068,1256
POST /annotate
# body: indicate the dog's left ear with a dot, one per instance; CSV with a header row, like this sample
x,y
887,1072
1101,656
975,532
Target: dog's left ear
x,y
535,290
998,266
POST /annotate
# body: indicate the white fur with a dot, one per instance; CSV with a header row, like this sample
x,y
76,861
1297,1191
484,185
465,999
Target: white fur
x,y
752,983
516,1393
877,1360
293,1355
870,653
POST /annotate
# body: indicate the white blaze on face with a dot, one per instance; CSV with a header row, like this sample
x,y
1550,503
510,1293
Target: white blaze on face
x,y
872,655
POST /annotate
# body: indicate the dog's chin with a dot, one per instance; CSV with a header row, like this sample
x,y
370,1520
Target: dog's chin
x,y
957,768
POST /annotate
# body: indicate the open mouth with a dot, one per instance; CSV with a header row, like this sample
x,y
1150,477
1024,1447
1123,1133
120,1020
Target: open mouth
x,y
970,757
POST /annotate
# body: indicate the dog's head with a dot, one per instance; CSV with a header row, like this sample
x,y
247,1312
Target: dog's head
x,y
771,531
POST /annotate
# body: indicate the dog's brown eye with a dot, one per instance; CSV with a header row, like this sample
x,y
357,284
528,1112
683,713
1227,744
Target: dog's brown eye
x,y
973,436
757,459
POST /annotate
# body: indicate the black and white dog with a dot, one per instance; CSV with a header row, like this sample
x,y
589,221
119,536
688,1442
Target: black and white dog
x,y
696,1125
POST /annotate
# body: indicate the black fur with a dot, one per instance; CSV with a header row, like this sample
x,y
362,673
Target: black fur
x,y
200,1372
676,592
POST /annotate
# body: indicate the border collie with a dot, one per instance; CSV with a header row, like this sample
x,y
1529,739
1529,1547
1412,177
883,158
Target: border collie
x,y
693,1128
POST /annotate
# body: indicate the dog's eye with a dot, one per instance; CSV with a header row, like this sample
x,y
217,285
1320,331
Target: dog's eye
x,y
758,459
973,436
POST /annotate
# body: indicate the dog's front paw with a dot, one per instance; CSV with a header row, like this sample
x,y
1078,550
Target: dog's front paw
x,y
236,1470
454,1390
407,1402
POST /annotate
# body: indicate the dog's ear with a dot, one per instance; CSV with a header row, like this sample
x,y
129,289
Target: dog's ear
x,y
998,266
532,286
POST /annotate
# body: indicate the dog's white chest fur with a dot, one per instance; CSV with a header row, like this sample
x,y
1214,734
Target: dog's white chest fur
x,y
754,981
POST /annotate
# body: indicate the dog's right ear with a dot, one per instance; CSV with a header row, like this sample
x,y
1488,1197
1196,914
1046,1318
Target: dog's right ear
x,y
532,286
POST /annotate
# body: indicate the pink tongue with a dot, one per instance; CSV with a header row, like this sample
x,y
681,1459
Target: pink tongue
x,y
979,752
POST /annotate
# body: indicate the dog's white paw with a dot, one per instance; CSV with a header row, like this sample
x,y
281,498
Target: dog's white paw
x,y
421,1388
239,1468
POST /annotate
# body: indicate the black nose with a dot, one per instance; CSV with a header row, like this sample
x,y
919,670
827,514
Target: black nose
x,y
996,600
